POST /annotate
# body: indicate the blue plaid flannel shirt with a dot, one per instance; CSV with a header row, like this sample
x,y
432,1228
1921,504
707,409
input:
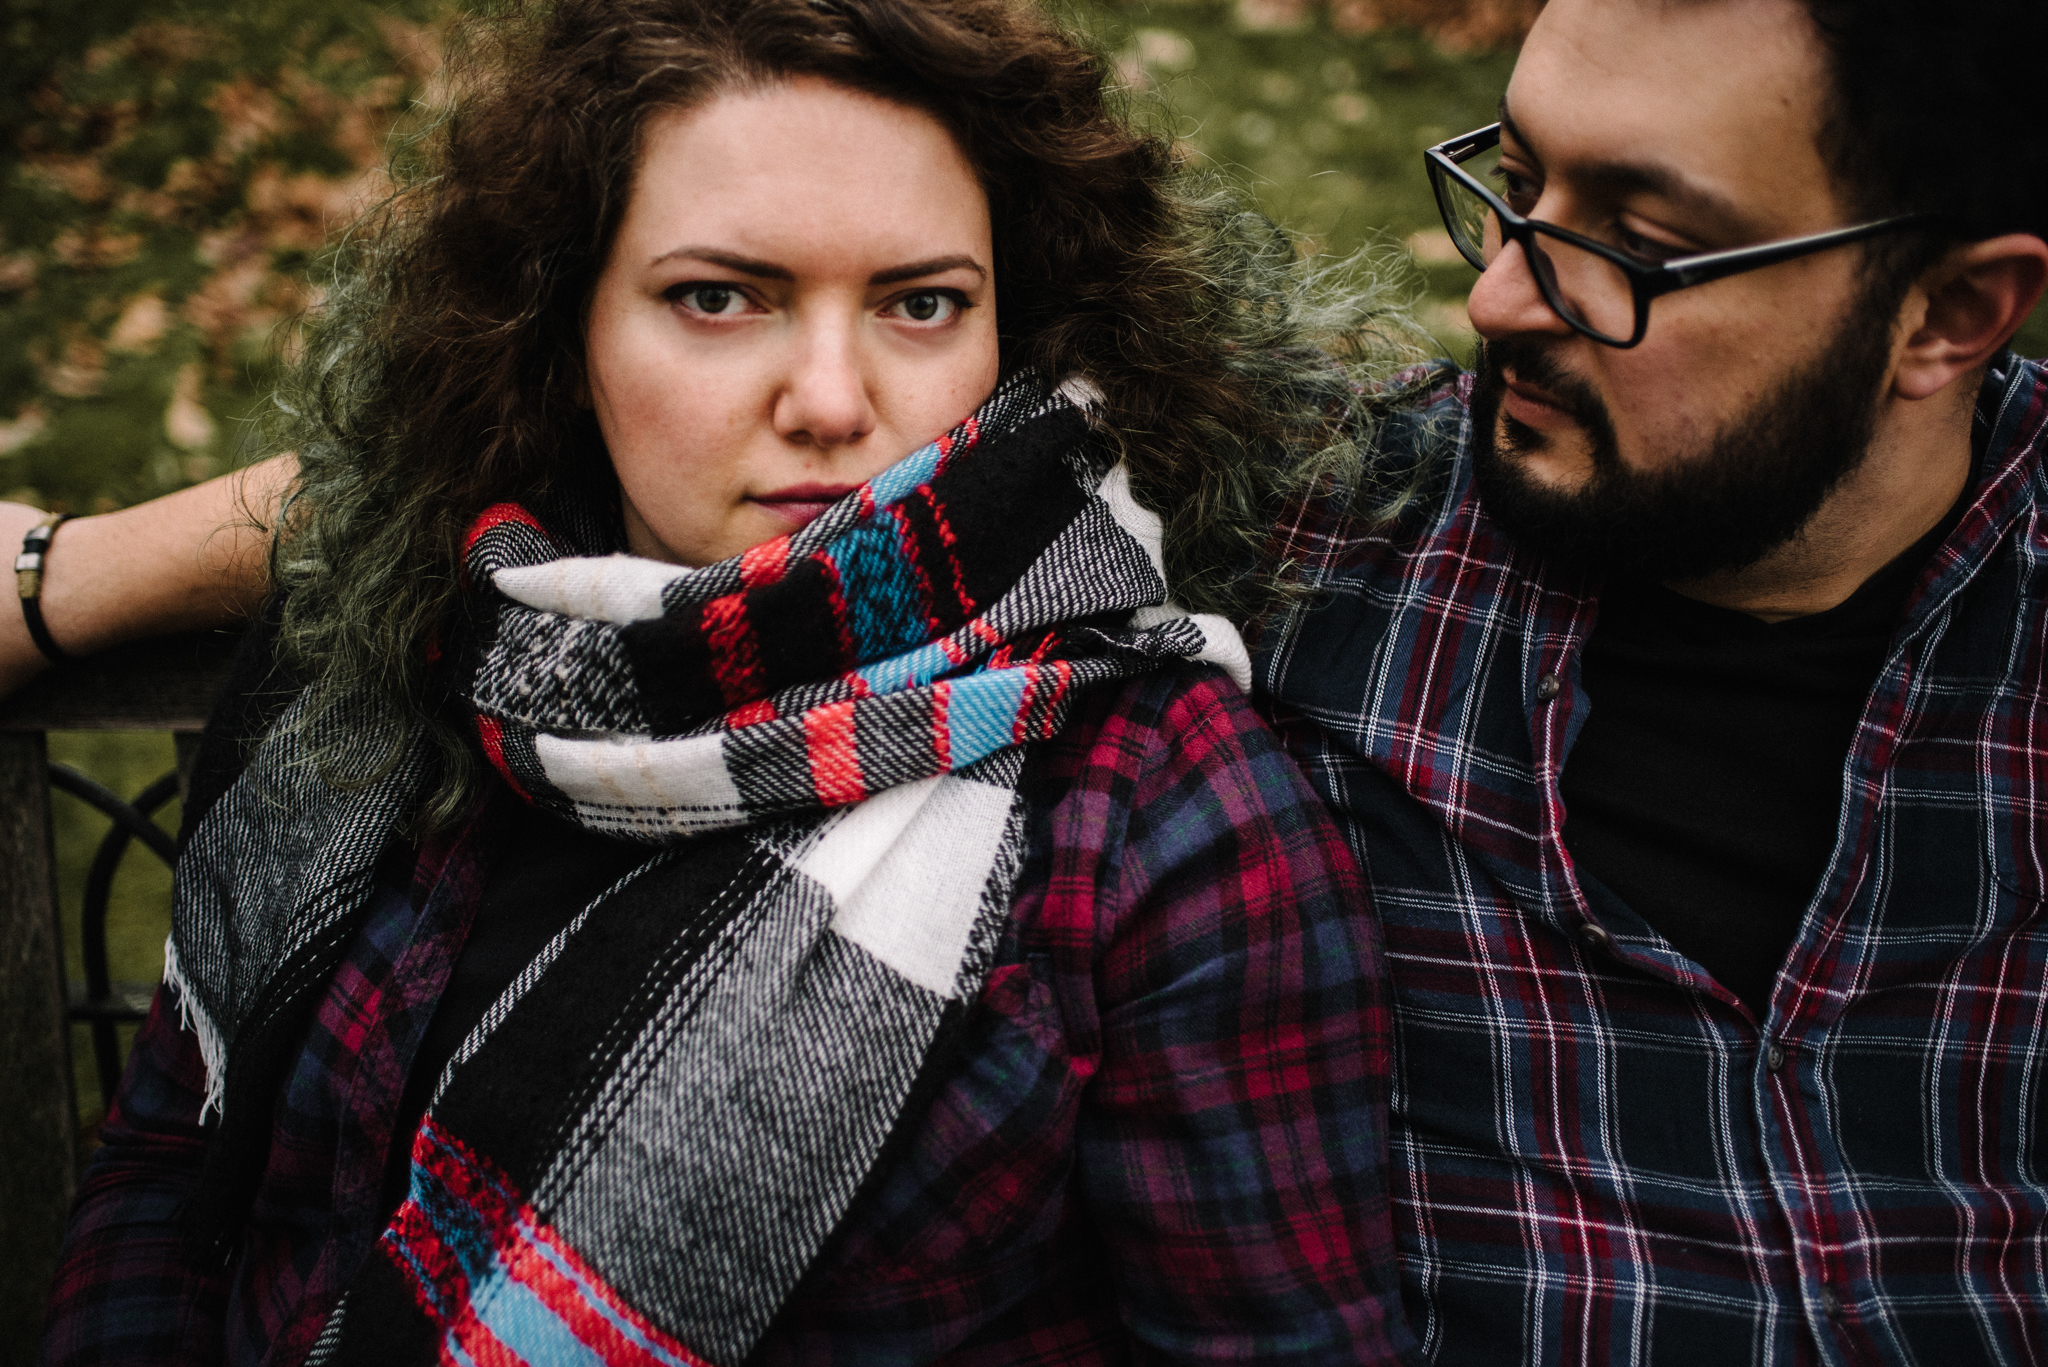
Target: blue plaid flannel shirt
x,y
1599,1154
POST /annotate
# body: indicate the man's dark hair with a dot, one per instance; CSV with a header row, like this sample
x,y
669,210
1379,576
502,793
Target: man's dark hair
x,y
1939,105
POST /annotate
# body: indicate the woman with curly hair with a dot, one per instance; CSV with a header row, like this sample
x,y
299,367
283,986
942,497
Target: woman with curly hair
x,y
731,844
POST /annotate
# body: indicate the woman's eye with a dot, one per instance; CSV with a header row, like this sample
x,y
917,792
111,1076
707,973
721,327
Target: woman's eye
x,y
711,299
928,306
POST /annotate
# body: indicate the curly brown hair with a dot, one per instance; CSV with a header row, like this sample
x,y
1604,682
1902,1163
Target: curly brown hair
x,y
445,370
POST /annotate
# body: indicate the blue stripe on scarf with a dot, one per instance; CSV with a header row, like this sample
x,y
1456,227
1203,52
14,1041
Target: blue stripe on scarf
x,y
917,468
525,1324
885,605
981,713
912,669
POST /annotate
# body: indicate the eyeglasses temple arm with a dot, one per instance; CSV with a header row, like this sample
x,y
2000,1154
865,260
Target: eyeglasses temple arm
x,y
1698,270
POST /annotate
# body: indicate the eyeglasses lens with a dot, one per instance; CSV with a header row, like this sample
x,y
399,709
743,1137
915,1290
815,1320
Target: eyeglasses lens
x,y
1585,287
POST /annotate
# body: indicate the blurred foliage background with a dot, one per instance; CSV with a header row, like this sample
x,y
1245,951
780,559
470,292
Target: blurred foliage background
x,y
173,169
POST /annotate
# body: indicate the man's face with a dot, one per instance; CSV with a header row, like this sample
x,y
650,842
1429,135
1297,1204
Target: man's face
x,y
1672,129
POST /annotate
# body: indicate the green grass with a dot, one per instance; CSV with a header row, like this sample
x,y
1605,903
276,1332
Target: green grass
x,y
1325,129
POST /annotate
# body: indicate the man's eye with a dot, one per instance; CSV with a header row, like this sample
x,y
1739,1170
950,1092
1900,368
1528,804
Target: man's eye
x,y
1517,191
1646,248
712,299
928,306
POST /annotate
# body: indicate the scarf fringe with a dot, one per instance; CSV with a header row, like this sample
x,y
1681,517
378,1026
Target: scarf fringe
x,y
213,1050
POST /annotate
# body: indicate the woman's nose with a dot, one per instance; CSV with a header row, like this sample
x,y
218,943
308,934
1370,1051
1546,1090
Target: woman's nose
x,y
825,401
1507,300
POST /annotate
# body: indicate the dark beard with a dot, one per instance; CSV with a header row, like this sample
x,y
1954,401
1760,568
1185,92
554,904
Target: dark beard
x,y
1749,491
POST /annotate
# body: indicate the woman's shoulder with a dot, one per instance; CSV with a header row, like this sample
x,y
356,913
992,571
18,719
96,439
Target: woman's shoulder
x,y
1172,788
1179,858
1186,722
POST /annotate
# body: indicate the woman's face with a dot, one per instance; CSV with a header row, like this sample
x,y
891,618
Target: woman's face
x,y
802,292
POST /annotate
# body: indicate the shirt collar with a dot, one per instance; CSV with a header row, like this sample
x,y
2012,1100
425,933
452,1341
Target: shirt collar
x,y
2007,432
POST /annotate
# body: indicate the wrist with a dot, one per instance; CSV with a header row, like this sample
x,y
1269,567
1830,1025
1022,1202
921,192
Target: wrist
x,y
77,611
20,659
28,583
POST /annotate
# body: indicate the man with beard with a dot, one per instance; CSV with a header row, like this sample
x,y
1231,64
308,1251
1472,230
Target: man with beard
x,y
1695,733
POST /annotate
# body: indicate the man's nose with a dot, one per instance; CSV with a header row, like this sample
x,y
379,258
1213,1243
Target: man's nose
x,y
1507,300
825,400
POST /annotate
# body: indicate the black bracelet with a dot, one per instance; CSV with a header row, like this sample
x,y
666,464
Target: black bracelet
x,y
28,582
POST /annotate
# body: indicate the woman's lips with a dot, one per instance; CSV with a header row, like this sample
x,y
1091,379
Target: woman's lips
x,y
801,504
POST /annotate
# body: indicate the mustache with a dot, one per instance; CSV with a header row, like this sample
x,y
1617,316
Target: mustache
x,y
1535,363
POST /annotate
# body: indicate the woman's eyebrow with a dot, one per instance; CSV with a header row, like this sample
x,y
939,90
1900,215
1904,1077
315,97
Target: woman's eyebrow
x,y
935,266
732,261
768,270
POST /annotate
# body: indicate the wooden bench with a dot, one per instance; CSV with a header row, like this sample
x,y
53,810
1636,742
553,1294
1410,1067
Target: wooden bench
x,y
153,686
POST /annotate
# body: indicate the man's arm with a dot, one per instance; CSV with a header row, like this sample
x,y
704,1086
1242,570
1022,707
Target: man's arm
x,y
196,558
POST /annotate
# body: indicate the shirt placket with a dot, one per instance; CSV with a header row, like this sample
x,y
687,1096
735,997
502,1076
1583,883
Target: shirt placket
x,y
1789,1163
1810,1177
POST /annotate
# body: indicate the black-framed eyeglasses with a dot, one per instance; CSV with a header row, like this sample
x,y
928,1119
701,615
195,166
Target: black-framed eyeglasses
x,y
1601,290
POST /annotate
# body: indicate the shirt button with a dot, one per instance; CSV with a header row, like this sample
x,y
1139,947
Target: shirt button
x,y
1548,687
1830,1303
1593,935
1774,1059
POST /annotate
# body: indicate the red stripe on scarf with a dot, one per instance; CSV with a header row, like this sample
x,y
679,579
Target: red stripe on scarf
x,y
751,714
835,598
496,516
942,729
765,563
834,757
492,734
425,1265
938,511
527,1251
1020,729
1044,686
735,656
414,1245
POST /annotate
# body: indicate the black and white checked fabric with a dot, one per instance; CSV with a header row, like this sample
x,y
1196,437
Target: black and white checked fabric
x,y
797,956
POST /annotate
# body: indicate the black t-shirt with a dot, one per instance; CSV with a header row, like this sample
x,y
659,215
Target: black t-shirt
x,y
543,871
1706,784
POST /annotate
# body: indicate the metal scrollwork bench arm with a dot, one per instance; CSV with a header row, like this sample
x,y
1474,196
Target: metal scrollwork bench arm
x,y
153,686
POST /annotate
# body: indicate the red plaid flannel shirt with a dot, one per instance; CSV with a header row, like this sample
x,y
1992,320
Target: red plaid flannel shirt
x,y
1164,1138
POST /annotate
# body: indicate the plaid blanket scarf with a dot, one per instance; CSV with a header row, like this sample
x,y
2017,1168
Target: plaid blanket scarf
x,y
645,1142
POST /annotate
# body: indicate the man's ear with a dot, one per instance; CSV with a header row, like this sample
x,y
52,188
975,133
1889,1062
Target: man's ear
x,y
1976,297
